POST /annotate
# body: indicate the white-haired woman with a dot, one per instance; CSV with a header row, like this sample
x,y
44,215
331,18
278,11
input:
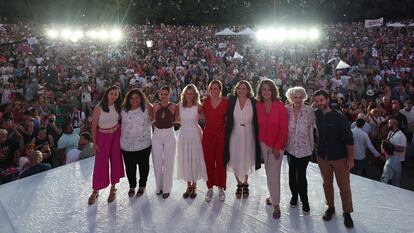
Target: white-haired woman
x,y
299,144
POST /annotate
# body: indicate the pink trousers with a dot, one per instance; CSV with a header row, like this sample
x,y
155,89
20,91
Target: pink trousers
x,y
109,152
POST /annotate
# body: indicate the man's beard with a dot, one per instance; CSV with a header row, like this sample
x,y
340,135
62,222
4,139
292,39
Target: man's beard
x,y
323,106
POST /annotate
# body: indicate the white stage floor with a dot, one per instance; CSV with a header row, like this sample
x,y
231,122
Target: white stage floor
x,y
56,201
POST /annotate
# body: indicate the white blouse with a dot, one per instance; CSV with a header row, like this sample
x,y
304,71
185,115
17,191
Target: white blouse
x,y
108,120
135,130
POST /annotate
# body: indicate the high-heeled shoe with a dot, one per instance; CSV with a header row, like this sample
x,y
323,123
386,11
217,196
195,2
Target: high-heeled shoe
x,y
93,197
140,191
239,191
276,212
245,190
193,193
131,192
187,193
112,195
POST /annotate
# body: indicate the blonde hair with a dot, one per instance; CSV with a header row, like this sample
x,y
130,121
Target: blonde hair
x,y
216,82
196,97
292,91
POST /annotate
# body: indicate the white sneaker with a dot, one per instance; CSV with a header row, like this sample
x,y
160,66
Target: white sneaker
x,y
222,195
209,195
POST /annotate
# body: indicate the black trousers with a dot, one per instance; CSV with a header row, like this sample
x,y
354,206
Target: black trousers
x,y
297,177
131,159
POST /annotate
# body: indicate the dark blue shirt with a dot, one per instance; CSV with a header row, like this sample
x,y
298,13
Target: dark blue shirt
x,y
334,134
38,168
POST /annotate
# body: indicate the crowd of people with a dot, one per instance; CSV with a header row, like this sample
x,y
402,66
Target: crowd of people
x,y
62,102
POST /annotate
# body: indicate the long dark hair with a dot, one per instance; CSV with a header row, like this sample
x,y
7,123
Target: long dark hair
x,y
118,101
127,100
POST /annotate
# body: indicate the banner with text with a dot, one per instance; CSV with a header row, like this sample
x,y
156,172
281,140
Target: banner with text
x,y
369,23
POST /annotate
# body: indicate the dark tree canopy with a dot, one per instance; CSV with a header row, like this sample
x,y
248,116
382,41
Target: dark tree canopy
x,y
204,11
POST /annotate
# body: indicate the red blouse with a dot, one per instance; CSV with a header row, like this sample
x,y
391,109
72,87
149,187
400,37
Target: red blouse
x,y
273,126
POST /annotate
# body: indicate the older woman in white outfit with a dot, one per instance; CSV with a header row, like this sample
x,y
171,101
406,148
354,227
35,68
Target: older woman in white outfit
x,y
300,144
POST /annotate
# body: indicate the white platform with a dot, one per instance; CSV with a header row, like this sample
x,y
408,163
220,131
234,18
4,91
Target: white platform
x,y
56,201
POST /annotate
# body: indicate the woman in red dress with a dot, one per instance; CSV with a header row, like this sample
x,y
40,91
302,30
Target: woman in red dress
x,y
215,110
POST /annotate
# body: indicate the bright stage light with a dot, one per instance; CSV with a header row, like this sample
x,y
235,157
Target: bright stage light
x,y
92,34
103,34
267,35
116,35
281,34
76,36
313,34
79,34
293,34
302,34
261,35
66,34
52,34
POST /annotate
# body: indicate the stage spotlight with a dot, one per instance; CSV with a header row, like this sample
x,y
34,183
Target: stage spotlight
x,y
52,34
93,34
116,35
66,34
293,34
281,34
261,35
302,34
271,35
313,34
103,34
78,34
267,35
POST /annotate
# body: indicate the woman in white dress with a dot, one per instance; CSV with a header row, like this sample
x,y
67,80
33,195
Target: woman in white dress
x,y
242,149
190,158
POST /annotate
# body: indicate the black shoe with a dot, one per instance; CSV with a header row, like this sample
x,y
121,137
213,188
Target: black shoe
x,y
348,220
293,202
328,213
165,195
305,208
159,193
245,192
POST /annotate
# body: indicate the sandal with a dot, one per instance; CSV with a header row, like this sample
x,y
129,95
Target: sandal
x,y
112,195
93,197
159,193
187,193
268,201
193,193
165,195
140,191
239,191
131,192
245,190
276,212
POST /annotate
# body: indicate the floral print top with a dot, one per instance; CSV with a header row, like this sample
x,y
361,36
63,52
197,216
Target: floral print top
x,y
300,140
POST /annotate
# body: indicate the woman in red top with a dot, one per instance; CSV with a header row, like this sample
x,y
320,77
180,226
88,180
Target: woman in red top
x,y
215,110
272,118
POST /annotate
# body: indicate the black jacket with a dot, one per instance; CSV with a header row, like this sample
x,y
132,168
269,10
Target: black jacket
x,y
229,129
334,134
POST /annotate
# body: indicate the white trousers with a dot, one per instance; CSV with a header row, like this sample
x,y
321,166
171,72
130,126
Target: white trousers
x,y
163,155
272,167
